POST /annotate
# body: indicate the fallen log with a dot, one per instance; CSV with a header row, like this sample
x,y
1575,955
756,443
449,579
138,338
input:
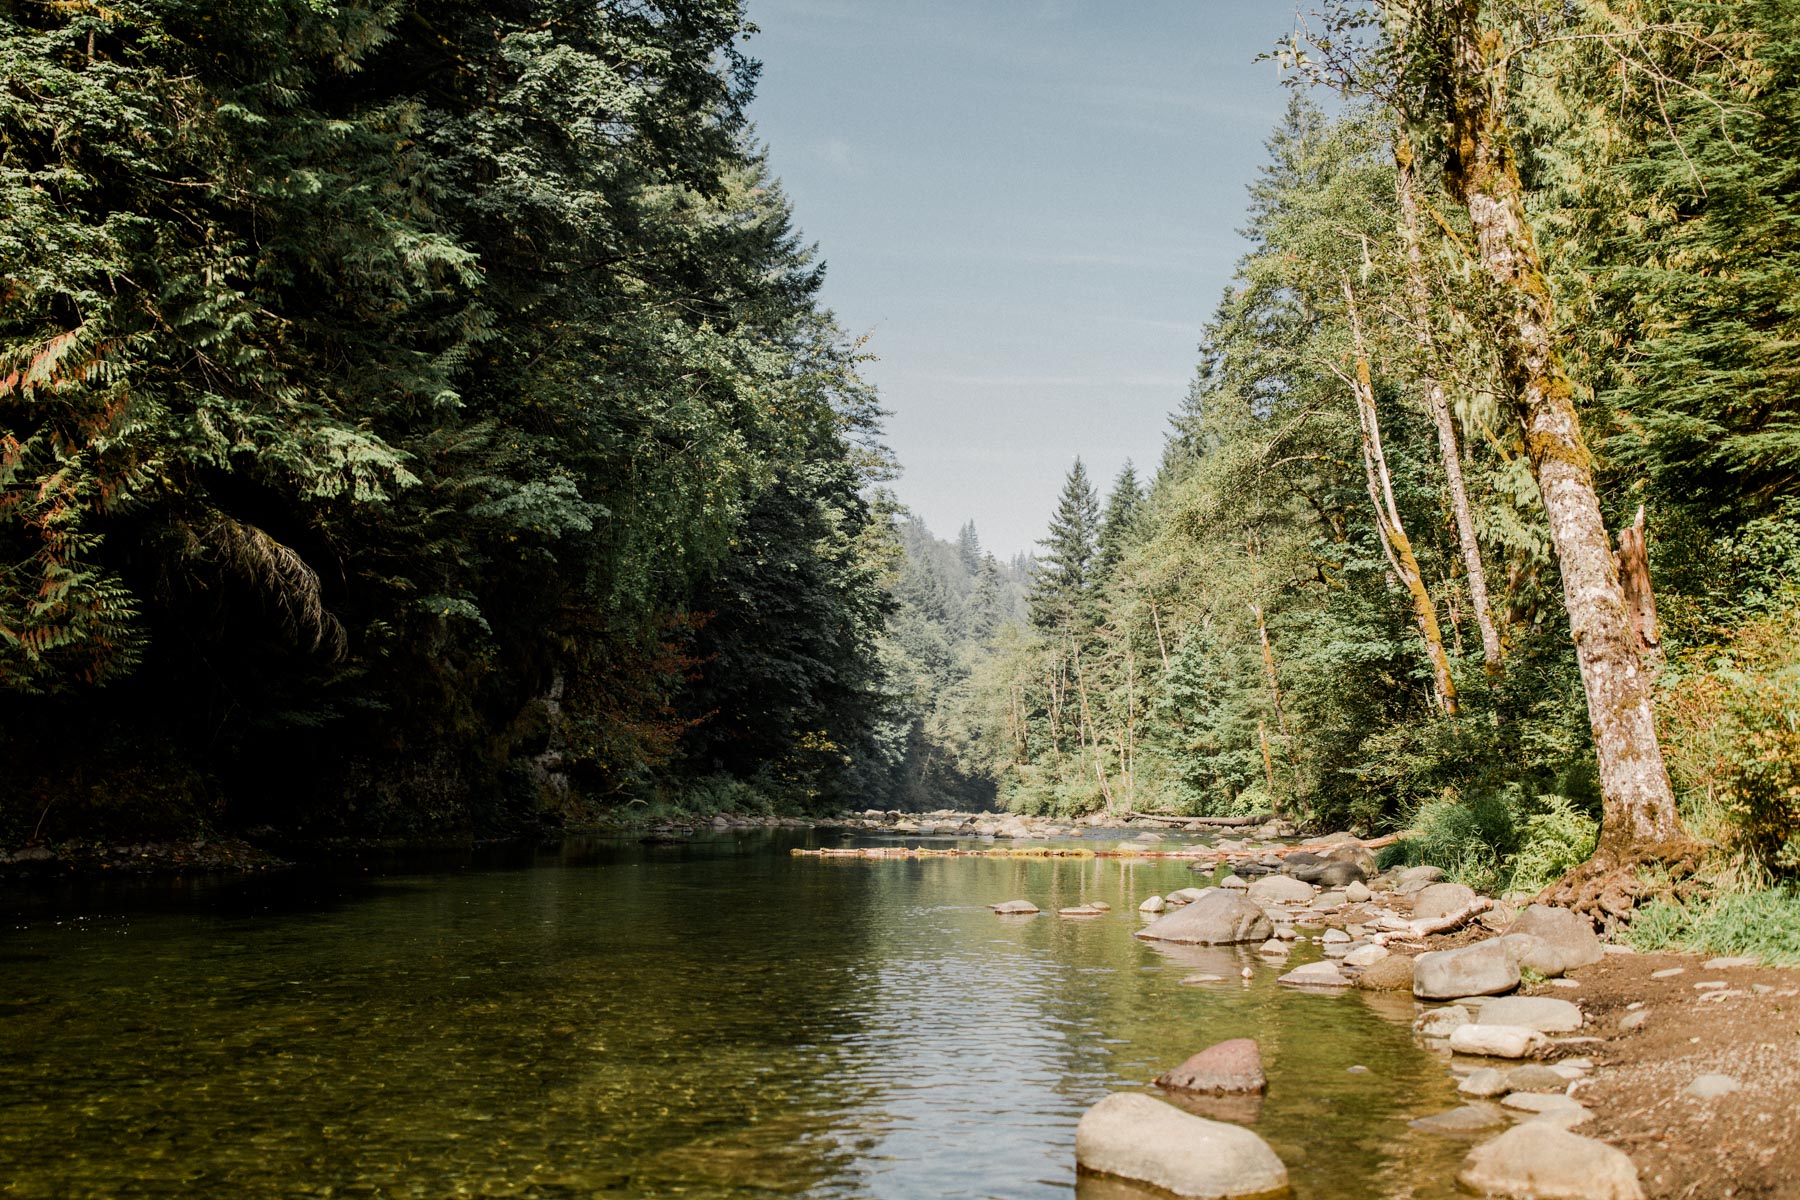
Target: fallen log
x,y
1208,822
1449,921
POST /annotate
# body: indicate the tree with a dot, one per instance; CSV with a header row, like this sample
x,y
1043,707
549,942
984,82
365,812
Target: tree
x,y
1119,521
1061,593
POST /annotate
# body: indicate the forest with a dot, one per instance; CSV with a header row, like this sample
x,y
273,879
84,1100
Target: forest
x,y
423,419
1515,330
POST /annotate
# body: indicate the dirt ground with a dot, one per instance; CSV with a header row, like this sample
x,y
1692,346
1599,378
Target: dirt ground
x,y
1745,1144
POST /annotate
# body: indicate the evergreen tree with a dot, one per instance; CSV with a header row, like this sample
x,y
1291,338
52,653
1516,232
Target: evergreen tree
x,y
1061,593
1118,523
968,545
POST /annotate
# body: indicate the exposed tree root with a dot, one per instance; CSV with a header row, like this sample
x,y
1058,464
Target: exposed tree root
x,y
1610,885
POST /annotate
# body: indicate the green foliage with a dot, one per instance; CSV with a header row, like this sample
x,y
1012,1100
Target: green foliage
x,y
1763,923
1555,842
432,398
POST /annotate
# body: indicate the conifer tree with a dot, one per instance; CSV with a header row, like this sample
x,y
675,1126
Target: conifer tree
x,y
1118,524
1065,574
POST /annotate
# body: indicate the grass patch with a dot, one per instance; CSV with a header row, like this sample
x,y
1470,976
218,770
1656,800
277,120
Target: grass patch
x,y
1763,923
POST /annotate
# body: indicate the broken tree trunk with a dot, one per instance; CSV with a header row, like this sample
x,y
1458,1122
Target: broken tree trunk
x,y
1387,516
1633,562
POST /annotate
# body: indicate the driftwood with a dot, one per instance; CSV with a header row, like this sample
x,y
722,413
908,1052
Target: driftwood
x,y
1208,822
1449,921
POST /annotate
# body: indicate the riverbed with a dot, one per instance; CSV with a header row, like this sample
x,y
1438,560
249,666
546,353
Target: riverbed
x,y
711,1019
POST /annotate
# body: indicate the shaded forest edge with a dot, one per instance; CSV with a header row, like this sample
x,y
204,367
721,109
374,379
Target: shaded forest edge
x,y
415,422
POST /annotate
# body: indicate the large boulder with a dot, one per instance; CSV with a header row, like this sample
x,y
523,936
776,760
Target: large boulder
x,y
1483,969
1218,917
1330,874
1539,1161
1132,1136
1441,899
1546,1014
1568,933
1229,1068
1357,855
1280,889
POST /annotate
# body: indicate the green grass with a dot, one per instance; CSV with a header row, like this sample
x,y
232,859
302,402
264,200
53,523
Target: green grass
x,y
1761,923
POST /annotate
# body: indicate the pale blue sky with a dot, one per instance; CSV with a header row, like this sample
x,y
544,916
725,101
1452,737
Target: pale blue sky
x,y
1030,206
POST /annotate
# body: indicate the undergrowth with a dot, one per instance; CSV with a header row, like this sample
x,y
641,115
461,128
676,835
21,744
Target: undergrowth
x,y
1764,923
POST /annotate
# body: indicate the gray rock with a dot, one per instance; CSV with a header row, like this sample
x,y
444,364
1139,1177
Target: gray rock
x,y
1569,934
1542,1013
1411,880
1391,974
1538,1102
1356,855
1725,964
1711,1087
1481,969
1469,1119
1217,918
1012,908
1280,889
1153,904
1317,975
1367,956
1484,1083
1229,1068
1534,1077
1335,935
1132,1136
1439,1022
1358,893
1441,899
1495,1041
1273,946
1234,881
1327,901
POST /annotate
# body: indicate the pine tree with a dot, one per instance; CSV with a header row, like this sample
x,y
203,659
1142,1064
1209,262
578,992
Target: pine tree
x,y
1064,586
968,546
1118,525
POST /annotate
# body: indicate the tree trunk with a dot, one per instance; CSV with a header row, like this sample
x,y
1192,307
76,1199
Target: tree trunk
x,y
1387,515
1439,409
1481,172
1268,657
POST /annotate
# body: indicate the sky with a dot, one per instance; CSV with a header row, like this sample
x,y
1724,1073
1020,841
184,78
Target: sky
x,y
1029,207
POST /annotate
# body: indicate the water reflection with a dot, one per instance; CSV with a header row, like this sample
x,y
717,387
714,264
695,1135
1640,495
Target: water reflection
x,y
709,1019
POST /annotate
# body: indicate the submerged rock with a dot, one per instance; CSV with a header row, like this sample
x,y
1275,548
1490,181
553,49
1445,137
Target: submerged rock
x,y
1231,1067
1154,904
1132,1136
1538,1161
1218,917
1015,908
1469,1119
1316,975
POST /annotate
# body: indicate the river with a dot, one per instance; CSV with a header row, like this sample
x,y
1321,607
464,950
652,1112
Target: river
x,y
716,1019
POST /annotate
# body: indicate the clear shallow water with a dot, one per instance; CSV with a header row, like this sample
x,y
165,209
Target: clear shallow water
x,y
713,1020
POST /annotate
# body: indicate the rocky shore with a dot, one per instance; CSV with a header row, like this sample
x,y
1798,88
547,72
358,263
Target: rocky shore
x,y
1589,1071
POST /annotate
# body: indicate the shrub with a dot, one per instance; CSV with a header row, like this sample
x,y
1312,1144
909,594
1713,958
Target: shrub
x,y
1555,842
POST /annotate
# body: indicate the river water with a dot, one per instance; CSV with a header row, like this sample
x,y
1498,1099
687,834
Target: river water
x,y
719,1019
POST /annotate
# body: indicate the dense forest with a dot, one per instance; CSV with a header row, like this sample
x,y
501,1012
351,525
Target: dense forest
x,y
1510,355
423,418
417,418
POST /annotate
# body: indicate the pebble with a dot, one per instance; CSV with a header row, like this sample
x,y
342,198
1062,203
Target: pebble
x,y
1668,973
1154,904
1725,964
1565,983
1631,1021
1317,974
1707,985
1358,893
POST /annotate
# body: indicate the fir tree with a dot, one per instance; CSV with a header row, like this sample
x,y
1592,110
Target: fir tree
x,y
1118,524
1065,575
